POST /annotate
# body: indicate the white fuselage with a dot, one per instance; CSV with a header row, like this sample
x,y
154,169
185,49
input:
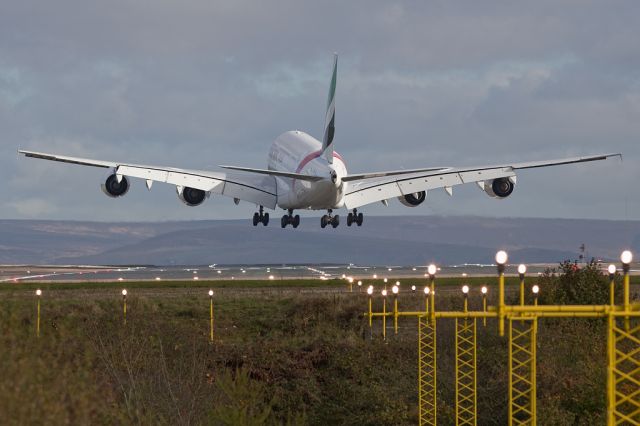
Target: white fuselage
x,y
297,152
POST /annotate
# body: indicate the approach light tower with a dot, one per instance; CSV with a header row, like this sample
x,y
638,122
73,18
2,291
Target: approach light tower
x,y
501,261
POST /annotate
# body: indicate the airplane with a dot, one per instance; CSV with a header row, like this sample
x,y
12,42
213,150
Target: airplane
x,y
304,173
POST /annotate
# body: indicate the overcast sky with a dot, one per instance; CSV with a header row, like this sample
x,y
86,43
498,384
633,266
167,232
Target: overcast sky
x,y
199,83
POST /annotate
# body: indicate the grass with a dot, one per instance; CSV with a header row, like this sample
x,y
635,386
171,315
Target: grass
x,y
160,368
276,359
475,281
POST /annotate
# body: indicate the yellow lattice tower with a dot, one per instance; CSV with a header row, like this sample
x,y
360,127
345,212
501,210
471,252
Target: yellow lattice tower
x,y
624,371
623,348
522,371
466,401
427,371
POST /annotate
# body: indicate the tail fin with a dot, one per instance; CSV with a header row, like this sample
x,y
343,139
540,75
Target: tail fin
x,y
329,121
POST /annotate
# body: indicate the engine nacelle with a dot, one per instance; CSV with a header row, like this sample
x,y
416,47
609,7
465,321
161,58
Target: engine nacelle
x,y
191,196
413,200
500,188
114,188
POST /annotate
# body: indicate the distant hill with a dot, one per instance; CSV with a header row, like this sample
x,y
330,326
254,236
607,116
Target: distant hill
x,y
402,240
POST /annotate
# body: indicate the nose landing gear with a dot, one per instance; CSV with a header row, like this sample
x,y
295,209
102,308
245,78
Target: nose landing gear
x,y
328,219
290,219
260,217
355,217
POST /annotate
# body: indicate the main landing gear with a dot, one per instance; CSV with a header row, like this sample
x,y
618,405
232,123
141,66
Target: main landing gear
x,y
260,217
328,219
355,217
290,219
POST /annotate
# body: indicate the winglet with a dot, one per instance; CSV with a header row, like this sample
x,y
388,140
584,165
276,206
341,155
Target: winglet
x,y
330,117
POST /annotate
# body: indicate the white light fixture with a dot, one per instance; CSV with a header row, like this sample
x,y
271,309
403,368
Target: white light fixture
x,y
398,283
210,292
375,276
124,292
427,290
385,280
38,292
413,288
395,289
432,269
535,289
271,277
359,283
196,278
370,291
384,292
612,269
157,278
465,289
501,257
522,269
626,257
484,290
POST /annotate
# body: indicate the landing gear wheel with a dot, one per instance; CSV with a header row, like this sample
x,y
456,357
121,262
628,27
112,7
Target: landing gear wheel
x,y
260,217
359,219
349,219
296,221
329,219
284,221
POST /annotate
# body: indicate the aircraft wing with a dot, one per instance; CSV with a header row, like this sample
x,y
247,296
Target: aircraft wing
x,y
360,176
366,190
291,175
258,189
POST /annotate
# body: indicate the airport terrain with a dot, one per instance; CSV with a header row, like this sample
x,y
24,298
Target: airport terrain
x,y
284,352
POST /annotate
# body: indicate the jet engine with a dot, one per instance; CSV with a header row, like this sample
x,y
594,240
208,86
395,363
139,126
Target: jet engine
x,y
114,188
413,200
191,196
500,188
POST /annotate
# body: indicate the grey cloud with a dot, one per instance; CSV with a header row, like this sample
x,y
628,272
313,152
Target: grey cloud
x,y
201,83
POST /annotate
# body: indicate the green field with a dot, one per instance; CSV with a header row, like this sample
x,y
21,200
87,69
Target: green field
x,y
277,358
293,283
